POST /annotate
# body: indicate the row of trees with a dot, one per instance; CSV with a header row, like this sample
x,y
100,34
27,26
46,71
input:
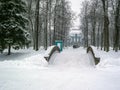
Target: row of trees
x,y
100,23
40,22
52,21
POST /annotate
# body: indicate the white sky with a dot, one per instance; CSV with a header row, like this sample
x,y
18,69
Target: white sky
x,y
76,5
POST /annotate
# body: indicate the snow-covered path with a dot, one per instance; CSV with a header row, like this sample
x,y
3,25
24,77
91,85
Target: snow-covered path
x,y
72,58
28,74
59,79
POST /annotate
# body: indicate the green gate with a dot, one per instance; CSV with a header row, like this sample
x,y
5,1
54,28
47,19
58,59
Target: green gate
x,y
59,43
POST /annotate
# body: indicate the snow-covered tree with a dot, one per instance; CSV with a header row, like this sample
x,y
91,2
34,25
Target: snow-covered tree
x,y
12,23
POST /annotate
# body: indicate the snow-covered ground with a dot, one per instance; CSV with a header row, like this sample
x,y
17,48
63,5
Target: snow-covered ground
x,y
70,70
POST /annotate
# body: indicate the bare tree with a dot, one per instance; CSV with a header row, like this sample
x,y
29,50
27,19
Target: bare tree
x,y
117,27
36,46
85,22
62,20
106,25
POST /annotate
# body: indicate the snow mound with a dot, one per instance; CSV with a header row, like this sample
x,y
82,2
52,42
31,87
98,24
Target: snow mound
x,y
37,60
109,62
107,59
48,51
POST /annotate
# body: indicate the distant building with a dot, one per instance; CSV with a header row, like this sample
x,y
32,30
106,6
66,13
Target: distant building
x,y
75,37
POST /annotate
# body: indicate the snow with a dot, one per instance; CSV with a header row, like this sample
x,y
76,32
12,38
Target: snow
x,y
47,53
72,69
73,58
111,58
73,32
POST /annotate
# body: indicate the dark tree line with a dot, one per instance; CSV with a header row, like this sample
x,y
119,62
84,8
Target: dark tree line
x,y
100,23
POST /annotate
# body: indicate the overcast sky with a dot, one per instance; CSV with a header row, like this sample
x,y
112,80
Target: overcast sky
x,y
76,5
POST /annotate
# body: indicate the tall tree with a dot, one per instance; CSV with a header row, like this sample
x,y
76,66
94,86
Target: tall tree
x,y
117,26
93,19
36,31
62,20
12,23
85,23
50,22
106,25
30,16
46,26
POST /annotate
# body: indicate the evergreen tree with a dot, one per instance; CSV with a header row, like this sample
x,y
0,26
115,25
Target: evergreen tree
x,y
12,23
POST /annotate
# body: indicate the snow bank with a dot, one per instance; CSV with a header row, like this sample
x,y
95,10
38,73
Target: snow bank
x,y
23,58
109,62
29,62
37,60
20,54
48,51
110,58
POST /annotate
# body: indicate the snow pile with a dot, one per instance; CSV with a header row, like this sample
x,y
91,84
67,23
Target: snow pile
x,y
48,51
110,58
36,60
110,62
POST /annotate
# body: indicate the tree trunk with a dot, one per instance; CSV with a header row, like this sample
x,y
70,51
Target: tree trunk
x,y
9,49
50,16
106,25
31,26
94,26
102,39
46,27
54,31
116,44
37,26
98,36
86,35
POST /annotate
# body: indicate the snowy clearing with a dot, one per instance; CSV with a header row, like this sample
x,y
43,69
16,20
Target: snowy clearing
x,y
70,70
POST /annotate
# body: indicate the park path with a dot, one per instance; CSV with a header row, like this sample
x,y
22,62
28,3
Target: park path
x,y
72,58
